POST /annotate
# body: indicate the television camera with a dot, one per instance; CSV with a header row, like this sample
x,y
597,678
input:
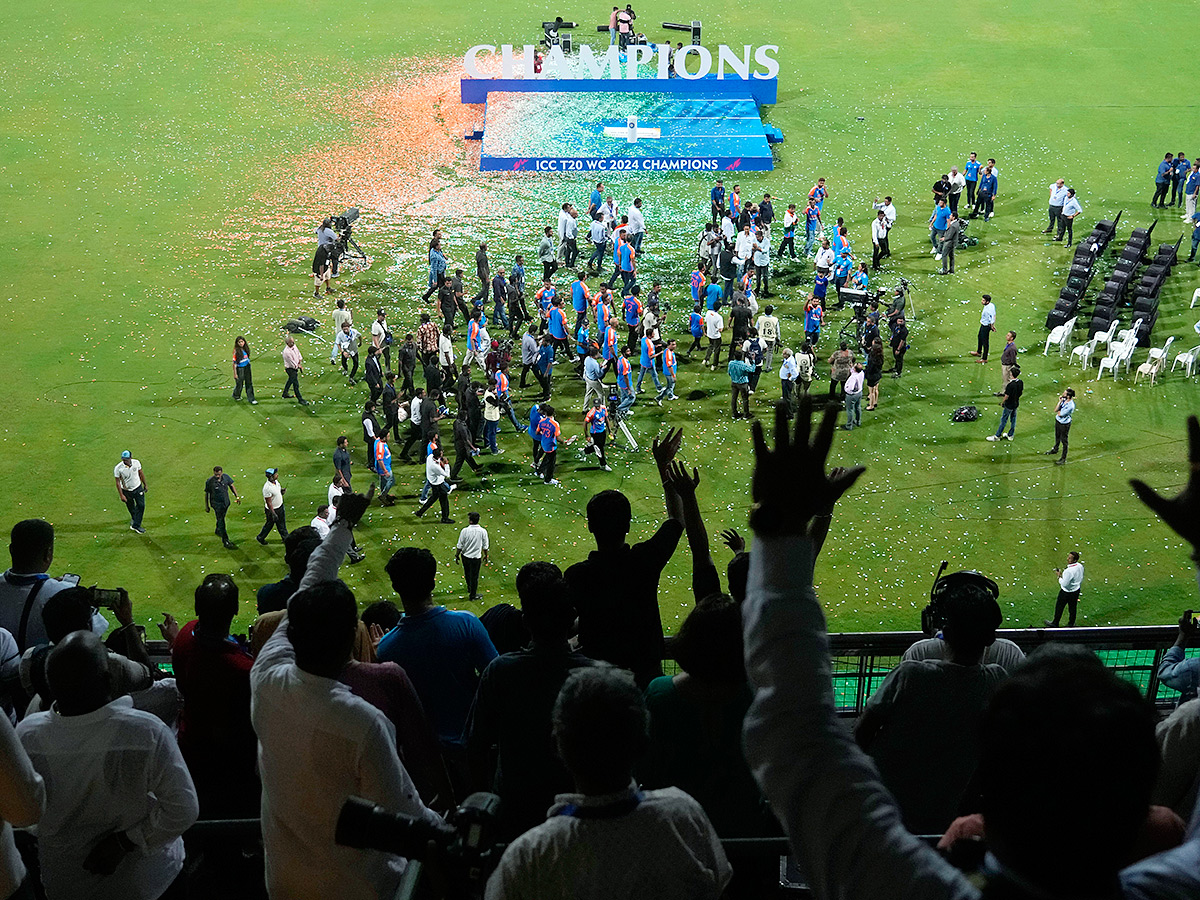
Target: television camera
x,y
465,846
347,247
552,34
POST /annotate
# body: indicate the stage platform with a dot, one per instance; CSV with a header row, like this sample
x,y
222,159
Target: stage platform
x,y
585,132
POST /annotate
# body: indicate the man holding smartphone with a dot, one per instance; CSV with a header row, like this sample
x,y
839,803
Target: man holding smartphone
x,y
216,499
273,507
1070,581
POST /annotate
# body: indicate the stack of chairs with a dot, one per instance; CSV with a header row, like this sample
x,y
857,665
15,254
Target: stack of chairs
x,y
1117,290
1079,278
1145,295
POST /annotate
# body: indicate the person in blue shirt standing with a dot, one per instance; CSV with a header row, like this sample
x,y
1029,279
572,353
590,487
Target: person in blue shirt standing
x,y
627,260
938,221
596,199
812,225
739,383
1191,190
556,327
696,328
543,366
669,364
649,362
814,315
632,308
535,419
989,184
583,343
1162,182
1179,179
1066,219
971,174
595,426
548,431
625,383
841,270
580,300
717,196
1063,412
1195,236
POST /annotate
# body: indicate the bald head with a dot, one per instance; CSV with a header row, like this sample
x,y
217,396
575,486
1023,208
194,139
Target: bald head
x,y
77,673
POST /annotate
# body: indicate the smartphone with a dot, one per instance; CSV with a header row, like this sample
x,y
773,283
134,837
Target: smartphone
x,y
70,578
106,598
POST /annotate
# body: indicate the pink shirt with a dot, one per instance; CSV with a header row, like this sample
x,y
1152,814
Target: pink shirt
x,y
292,357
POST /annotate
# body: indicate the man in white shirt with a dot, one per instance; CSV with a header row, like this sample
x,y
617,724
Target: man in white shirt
x,y
341,316
131,488
879,239
1064,411
825,258
610,839
767,327
119,793
958,181
728,229
854,392
762,263
743,247
889,210
987,324
437,470
1070,582
637,225
346,344
273,510
1058,196
446,354
713,326
25,587
379,338
319,744
472,549
321,520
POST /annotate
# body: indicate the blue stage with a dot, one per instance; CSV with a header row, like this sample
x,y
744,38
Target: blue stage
x,y
586,132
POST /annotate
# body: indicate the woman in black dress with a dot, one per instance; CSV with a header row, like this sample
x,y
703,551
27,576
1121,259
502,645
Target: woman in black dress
x,y
874,373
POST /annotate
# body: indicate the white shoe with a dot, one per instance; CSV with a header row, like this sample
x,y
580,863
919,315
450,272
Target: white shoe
x,y
992,437
254,403
938,258
452,488
991,215
607,468
932,252
553,481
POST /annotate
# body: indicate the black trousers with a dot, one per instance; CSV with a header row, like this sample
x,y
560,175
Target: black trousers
x,y
760,281
135,502
243,378
549,268
971,185
1061,431
1066,223
544,381
1055,213
1069,600
600,438
440,494
414,435
739,391
899,361
462,458
276,520
876,255
1160,194
570,252
353,371
546,466
985,336
293,382
220,511
471,574
789,244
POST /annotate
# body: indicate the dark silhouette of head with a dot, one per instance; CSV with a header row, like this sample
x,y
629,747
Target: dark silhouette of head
x,y
413,571
601,728
382,613
546,607
970,616
1062,703
322,624
609,516
709,644
77,673
31,546
67,611
217,603
297,548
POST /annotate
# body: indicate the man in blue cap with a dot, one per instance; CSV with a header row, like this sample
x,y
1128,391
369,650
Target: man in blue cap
x,y
273,508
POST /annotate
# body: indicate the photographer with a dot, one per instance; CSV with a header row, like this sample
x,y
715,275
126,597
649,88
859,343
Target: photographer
x,y
1176,671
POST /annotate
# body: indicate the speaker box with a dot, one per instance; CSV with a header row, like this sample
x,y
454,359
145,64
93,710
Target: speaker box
x,y
1057,317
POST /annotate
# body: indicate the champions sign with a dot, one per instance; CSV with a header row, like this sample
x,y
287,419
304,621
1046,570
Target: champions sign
x,y
640,61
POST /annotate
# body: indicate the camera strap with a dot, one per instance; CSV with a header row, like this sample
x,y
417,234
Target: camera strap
x,y
24,626
614,810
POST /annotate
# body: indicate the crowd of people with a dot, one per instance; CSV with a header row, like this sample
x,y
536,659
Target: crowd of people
x,y
614,779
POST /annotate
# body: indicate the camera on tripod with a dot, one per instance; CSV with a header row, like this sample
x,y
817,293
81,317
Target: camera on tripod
x,y
552,34
347,247
466,844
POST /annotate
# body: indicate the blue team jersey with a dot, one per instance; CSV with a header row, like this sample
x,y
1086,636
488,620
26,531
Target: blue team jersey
x,y
602,314
633,310
812,320
579,296
626,257
712,295
971,170
557,324
623,371
820,284
609,350
861,280
581,341
647,353
544,297
841,268
811,218
597,419
596,199
535,418
547,432
941,217
697,283
696,324
668,358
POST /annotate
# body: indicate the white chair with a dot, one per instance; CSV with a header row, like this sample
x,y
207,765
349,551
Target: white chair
x,y
1188,358
1163,352
1124,333
1106,337
1084,352
1195,297
1151,368
1060,334
1118,354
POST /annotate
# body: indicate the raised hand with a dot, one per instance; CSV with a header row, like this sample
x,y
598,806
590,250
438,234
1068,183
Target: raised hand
x,y
790,485
665,451
683,483
352,506
733,540
1181,512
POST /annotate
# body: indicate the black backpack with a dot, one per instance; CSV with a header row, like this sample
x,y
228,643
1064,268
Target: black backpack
x,y
965,414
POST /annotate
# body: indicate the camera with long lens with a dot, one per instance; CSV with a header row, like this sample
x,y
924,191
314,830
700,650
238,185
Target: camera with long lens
x,y
465,846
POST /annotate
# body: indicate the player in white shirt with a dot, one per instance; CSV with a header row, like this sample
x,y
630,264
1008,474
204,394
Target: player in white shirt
x,y
131,488
1070,583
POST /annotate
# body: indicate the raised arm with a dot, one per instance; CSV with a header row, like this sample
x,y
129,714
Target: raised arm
x,y
842,823
705,579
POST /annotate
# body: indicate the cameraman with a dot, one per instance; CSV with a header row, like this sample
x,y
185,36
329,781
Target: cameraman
x,y
328,238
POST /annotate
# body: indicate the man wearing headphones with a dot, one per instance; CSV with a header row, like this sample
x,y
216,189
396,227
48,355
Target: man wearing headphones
x,y
922,725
